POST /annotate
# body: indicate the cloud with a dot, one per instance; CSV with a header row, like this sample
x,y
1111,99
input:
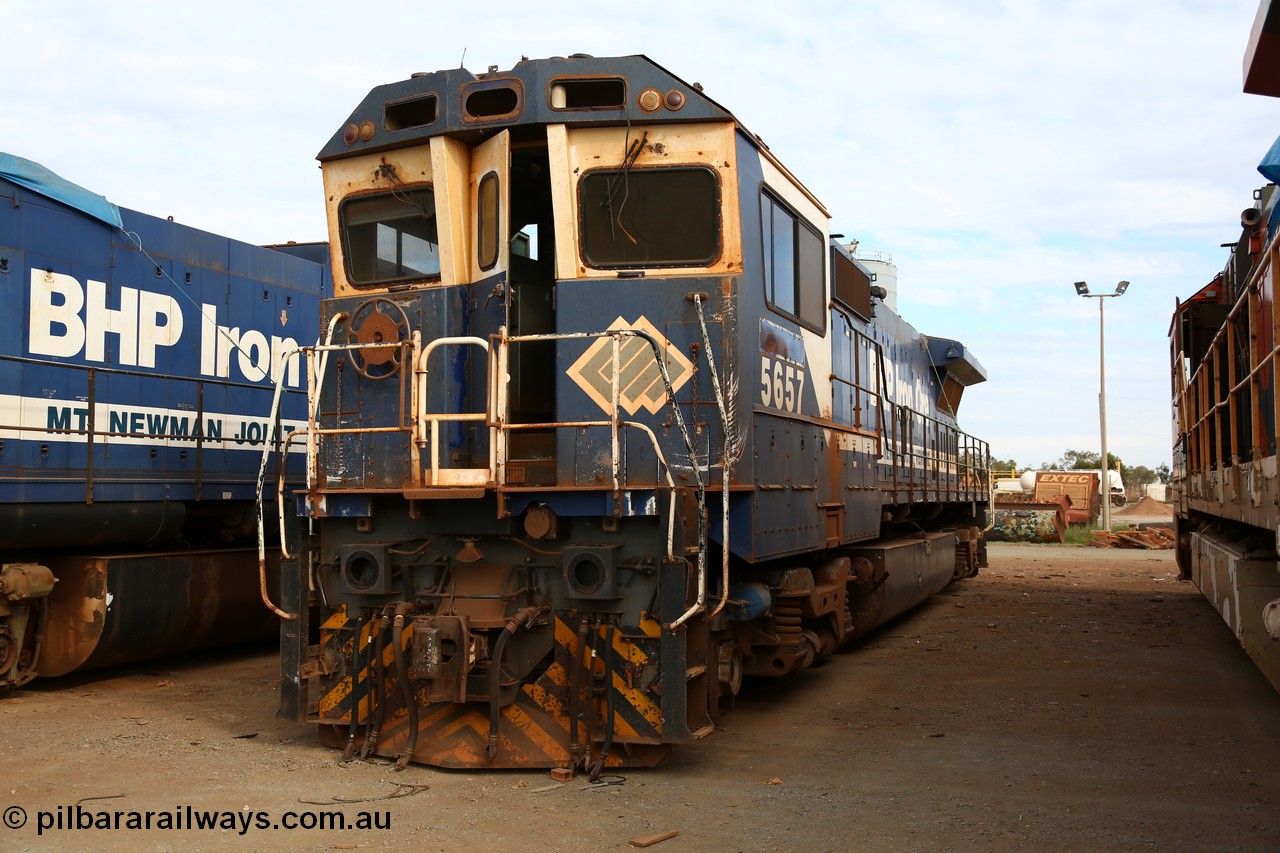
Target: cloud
x,y
999,149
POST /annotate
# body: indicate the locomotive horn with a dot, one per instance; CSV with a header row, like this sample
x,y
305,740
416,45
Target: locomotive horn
x,y
1250,217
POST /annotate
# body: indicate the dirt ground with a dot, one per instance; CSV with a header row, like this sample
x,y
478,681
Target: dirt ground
x,y
1068,698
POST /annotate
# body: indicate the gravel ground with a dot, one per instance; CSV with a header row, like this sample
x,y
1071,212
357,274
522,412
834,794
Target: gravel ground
x,y
1068,698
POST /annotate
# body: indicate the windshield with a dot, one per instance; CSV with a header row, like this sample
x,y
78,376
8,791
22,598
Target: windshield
x,y
650,217
391,237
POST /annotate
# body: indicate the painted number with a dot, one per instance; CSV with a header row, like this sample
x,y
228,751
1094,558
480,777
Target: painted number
x,y
781,384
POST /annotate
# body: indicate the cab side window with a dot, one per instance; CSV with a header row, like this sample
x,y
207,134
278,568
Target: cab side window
x,y
794,265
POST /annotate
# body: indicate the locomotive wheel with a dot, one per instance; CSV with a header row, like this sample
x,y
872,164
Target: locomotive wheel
x,y
8,658
730,668
376,321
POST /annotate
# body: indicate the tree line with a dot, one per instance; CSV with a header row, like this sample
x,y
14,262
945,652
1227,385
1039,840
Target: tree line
x,y
1136,477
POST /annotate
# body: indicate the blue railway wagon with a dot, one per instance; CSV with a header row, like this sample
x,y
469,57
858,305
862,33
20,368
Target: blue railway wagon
x,y
609,421
137,359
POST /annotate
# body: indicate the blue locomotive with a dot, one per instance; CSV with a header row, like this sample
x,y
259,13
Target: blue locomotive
x,y
138,359
604,421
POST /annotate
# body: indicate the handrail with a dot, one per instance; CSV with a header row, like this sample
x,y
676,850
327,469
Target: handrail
x,y
267,443
938,465
724,475
1200,396
273,425
657,451
280,489
677,415
421,419
662,371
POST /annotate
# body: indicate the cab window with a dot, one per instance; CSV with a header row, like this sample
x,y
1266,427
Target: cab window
x,y
390,238
668,217
487,222
794,264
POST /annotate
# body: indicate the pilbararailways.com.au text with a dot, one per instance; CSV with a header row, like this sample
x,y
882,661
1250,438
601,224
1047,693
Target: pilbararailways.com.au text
x,y
185,818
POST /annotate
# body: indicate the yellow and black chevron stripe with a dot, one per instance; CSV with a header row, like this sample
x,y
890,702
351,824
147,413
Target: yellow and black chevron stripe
x,y
534,730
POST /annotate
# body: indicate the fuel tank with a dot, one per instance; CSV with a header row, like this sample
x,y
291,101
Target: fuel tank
x,y
105,611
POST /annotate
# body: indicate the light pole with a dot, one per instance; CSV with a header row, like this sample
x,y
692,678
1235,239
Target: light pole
x,y
1082,289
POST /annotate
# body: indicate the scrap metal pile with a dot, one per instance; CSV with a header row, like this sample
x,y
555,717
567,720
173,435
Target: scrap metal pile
x,y
1018,518
1151,537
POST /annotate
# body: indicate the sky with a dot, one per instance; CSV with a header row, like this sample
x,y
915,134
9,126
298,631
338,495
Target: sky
x,y
999,151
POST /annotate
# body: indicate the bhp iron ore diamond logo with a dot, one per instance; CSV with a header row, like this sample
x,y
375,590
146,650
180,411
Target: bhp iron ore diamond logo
x,y
640,381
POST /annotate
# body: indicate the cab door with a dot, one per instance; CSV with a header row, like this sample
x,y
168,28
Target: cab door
x,y
517,294
488,273
489,193
471,202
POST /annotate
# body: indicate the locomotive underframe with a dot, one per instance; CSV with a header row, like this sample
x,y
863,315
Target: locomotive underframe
x,y
579,677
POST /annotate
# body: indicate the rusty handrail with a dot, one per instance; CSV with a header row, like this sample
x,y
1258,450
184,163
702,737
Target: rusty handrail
x,y
422,418
1205,380
273,422
677,415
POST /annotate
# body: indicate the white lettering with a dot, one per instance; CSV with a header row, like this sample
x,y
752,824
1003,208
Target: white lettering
x,y
781,384
100,321
228,338
766,387
208,340
67,319
285,361
152,307
55,327
143,322
256,356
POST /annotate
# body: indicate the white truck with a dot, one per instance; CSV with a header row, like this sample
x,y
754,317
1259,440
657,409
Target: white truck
x,y
1116,492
